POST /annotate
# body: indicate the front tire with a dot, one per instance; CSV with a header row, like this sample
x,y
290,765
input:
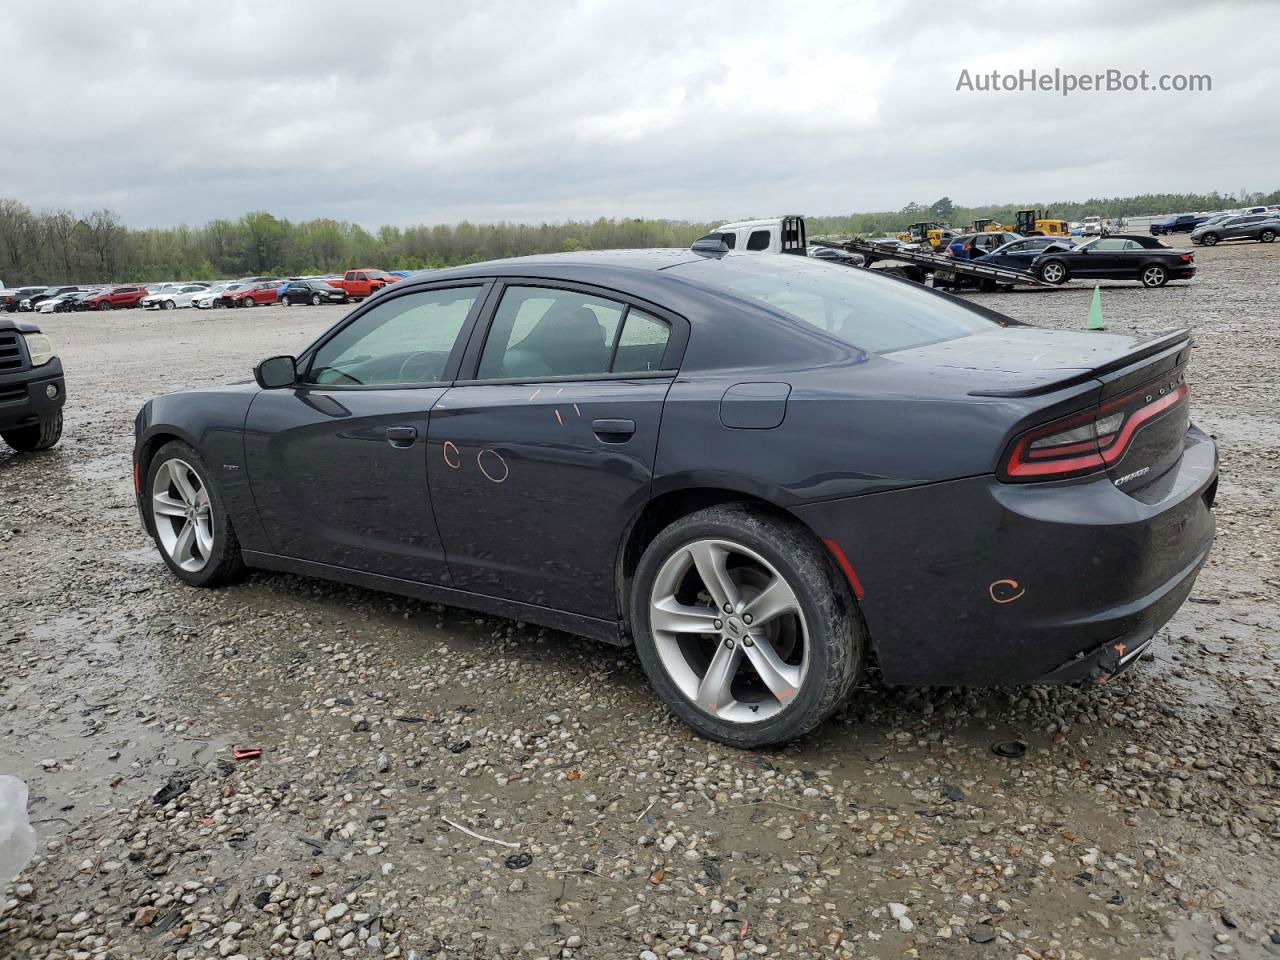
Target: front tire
x,y
1209,239
170,305
38,436
1055,272
745,626
1154,275
315,299
189,519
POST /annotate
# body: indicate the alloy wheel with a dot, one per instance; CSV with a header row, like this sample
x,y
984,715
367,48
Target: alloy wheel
x,y
1053,273
1153,276
315,299
182,514
729,630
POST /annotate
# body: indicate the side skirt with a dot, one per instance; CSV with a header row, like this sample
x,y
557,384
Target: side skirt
x,y
607,631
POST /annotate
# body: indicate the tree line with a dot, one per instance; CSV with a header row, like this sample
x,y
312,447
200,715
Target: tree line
x,y
59,246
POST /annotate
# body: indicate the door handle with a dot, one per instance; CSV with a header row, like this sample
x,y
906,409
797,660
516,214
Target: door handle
x,y
402,436
614,431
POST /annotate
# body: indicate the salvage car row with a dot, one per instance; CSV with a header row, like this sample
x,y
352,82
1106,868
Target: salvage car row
x,y
245,292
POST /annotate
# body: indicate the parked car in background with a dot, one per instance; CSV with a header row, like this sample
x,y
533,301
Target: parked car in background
x,y
1122,257
1182,223
32,302
32,389
116,298
835,255
174,296
690,405
11,300
1020,254
252,295
360,283
213,296
314,292
971,246
60,303
1263,227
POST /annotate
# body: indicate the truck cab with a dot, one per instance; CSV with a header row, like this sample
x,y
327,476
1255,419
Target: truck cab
x,y
775,235
32,389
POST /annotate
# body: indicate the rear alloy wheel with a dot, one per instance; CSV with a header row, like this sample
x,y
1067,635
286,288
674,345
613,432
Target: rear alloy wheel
x,y
1267,236
745,626
1154,276
1209,239
315,299
38,436
188,519
1055,272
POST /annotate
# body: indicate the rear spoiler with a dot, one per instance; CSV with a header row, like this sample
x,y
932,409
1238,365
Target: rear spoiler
x,y
1175,343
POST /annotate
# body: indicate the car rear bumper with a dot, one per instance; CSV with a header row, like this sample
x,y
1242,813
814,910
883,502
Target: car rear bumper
x,y
1182,273
974,582
24,397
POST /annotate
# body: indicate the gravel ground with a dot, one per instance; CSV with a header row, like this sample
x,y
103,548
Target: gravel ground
x,y
436,784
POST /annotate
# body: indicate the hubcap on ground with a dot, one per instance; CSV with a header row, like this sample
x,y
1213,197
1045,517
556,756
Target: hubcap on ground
x,y
729,630
183,516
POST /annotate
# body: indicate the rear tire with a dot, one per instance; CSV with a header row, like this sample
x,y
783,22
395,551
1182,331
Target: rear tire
x,y
38,436
212,563
794,667
1154,275
1267,236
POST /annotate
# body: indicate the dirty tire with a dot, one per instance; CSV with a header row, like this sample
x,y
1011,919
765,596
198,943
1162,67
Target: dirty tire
x,y
225,563
38,436
836,634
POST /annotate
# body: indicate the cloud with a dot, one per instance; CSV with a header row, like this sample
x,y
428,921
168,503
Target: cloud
x,y
176,112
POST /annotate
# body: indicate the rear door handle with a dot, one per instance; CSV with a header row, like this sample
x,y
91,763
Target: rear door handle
x,y
614,431
402,436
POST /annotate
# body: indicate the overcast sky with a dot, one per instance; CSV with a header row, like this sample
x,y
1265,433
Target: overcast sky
x,y
170,112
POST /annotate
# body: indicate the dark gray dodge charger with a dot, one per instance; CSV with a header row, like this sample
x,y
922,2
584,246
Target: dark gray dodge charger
x,y
764,471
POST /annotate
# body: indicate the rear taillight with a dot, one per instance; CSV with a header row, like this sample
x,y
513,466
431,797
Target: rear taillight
x,y
1187,257
1091,441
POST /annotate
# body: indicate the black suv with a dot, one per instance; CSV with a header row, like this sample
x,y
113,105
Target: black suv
x,y
32,390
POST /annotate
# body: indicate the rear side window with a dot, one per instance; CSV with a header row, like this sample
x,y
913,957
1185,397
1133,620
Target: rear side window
x,y
642,343
759,240
875,314
543,332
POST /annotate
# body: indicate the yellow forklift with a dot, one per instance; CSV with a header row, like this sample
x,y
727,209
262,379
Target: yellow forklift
x,y
926,231
1035,223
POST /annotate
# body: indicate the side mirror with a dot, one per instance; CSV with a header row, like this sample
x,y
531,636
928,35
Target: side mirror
x,y
276,372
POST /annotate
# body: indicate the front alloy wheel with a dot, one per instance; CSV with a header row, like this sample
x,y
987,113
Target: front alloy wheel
x,y
1053,272
315,299
1209,239
183,515
188,519
745,626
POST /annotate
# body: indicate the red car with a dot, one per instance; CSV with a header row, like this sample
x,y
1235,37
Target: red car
x,y
267,291
115,299
360,283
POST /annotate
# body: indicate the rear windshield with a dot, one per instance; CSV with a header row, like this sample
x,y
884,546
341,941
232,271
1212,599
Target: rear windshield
x,y
875,314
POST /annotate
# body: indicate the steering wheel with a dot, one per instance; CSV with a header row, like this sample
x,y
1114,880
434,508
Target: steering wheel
x,y
427,361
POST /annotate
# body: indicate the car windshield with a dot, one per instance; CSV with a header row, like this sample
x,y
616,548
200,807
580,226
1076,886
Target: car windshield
x,y
876,314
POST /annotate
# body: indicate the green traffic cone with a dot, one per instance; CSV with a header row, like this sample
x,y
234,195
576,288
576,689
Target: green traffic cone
x,y
1095,311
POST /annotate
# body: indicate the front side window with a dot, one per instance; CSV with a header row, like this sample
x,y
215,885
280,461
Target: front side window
x,y
404,340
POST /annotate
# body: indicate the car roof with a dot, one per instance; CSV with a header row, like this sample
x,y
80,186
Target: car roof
x,y
582,263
